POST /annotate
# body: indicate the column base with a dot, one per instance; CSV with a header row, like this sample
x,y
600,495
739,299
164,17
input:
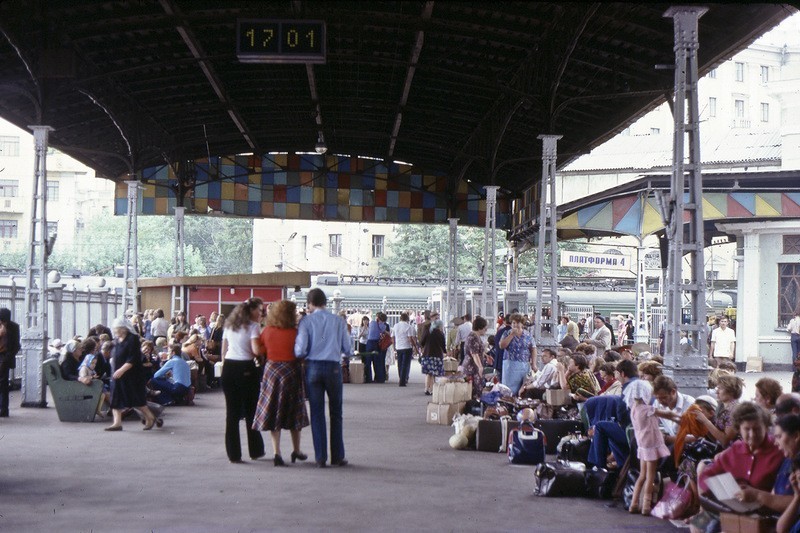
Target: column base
x,y
34,404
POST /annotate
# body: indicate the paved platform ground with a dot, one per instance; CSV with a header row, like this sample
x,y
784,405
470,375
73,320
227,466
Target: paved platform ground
x,y
402,476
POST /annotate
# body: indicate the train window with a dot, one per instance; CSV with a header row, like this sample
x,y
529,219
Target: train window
x,y
788,291
791,244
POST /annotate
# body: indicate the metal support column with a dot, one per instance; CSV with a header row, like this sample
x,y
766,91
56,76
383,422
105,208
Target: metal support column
x,y
449,313
641,333
178,263
512,270
687,362
34,325
548,242
130,286
489,262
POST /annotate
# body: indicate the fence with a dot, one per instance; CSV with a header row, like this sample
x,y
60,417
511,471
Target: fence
x,y
70,311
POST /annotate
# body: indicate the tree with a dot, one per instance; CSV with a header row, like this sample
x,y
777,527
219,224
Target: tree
x,y
528,260
226,244
420,250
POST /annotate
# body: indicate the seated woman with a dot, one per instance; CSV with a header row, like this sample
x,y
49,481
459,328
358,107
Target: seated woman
x,y
767,392
87,374
753,461
578,377
787,437
172,381
205,368
71,360
611,385
723,430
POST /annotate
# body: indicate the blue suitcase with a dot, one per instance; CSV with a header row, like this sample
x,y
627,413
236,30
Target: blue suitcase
x,y
526,445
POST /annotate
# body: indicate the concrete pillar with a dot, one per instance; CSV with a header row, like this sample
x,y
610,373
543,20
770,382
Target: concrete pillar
x,y
749,291
451,300
489,263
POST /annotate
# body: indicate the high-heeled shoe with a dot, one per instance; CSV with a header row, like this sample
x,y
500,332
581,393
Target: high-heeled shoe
x,y
278,461
298,456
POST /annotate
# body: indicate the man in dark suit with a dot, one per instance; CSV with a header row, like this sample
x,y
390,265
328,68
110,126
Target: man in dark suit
x,y
9,347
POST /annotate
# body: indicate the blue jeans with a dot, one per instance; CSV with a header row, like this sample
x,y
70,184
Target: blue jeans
x,y
608,434
795,341
378,363
404,365
325,377
514,373
169,391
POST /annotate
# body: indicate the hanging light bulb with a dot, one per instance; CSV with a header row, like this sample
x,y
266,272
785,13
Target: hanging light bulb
x,y
320,148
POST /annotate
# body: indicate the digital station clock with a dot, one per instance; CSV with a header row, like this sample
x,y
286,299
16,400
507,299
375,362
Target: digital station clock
x,y
280,41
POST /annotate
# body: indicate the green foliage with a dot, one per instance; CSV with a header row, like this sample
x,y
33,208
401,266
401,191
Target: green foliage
x,y
419,250
213,246
528,260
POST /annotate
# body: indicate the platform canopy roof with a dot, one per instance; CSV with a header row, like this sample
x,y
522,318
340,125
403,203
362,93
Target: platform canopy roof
x,y
455,88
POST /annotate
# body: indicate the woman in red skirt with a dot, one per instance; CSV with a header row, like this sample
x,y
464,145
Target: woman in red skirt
x,y
281,404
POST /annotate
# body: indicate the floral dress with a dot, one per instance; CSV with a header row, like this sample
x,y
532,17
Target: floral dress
x,y
474,345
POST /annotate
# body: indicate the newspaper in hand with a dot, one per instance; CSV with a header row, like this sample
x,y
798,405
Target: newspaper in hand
x,y
724,488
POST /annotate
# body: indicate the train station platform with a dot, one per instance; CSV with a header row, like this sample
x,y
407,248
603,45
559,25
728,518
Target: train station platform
x,y
402,476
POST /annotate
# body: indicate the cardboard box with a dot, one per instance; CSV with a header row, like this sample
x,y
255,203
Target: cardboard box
x,y
450,364
754,364
356,372
451,392
746,523
443,413
557,397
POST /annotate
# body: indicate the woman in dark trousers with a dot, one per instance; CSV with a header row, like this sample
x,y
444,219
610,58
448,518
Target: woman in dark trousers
x,y
241,377
376,327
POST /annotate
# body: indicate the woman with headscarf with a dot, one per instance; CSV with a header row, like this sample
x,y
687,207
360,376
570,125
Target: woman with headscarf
x,y
433,350
128,385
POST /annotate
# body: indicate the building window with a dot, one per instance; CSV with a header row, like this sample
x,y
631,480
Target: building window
x,y
712,73
335,245
655,131
764,74
712,107
738,106
52,228
9,146
8,229
52,191
788,291
791,244
764,112
739,71
377,246
9,188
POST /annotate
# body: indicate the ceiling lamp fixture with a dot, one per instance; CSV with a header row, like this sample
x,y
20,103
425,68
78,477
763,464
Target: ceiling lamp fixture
x,y
320,148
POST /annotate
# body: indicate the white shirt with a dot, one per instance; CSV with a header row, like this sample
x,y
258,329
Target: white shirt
x,y
794,326
684,402
548,377
463,332
239,348
159,327
401,333
723,339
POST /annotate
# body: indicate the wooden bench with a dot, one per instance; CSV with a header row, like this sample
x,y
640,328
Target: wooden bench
x,y
75,402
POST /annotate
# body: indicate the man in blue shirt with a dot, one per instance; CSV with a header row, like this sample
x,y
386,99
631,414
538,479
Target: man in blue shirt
x,y
176,389
321,340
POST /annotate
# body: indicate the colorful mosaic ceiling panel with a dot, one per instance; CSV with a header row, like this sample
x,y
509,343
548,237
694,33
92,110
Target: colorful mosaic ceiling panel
x,y
638,214
312,187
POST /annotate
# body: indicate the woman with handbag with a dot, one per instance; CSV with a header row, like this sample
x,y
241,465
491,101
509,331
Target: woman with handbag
x,y
377,334
214,342
474,350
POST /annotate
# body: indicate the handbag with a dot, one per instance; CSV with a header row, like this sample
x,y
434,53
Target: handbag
x,y
556,479
526,445
385,341
600,483
678,501
575,448
701,449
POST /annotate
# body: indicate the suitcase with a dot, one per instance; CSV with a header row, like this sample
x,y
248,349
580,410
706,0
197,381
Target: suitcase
x,y
489,436
526,445
555,430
